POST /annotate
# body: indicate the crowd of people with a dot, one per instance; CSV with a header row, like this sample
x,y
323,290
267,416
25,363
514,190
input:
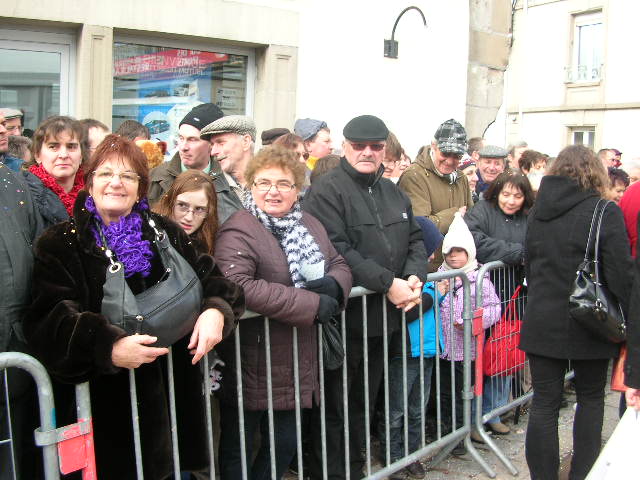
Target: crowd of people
x,y
116,263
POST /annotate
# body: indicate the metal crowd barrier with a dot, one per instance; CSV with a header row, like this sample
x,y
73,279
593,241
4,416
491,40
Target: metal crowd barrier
x,y
509,388
66,449
438,446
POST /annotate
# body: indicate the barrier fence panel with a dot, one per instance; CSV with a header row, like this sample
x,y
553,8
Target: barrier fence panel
x,y
66,449
502,375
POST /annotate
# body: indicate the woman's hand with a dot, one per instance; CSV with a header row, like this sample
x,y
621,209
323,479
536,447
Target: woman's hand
x,y
206,334
132,351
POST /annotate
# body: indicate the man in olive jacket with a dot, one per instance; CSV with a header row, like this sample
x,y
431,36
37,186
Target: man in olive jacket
x,y
194,152
371,224
436,188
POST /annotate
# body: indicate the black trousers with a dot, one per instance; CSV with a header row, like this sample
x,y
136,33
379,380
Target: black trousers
x,y
334,411
542,445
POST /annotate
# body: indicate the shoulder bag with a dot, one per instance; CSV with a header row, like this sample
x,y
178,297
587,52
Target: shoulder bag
x,y
590,302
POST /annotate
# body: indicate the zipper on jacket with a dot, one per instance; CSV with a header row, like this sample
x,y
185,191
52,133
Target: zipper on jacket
x,y
381,227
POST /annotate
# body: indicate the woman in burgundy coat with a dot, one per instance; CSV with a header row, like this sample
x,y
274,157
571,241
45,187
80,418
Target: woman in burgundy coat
x,y
292,274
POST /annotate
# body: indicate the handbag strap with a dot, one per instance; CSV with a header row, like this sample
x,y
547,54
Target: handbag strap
x,y
597,245
594,219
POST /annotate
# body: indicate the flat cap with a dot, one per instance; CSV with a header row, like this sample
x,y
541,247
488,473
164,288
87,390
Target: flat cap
x,y
268,136
9,113
365,128
239,124
202,115
493,151
307,128
451,137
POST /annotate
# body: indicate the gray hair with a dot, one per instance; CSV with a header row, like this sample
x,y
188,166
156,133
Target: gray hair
x,y
519,144
18,146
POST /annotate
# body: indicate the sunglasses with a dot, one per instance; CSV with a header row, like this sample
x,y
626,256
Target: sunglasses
x,y
376,147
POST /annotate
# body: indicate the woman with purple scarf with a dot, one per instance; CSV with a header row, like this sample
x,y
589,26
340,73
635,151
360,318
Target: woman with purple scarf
x,y
113,288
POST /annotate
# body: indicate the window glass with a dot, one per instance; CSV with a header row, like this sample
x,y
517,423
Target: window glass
x,y
588,48
157,86
30,81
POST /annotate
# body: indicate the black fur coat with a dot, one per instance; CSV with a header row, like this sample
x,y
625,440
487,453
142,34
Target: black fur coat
x,y
67,333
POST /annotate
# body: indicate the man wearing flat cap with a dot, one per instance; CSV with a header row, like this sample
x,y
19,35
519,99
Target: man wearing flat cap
x,y
8,160
491,162
232,140
371,224
195,153
435,185
316,136
14,120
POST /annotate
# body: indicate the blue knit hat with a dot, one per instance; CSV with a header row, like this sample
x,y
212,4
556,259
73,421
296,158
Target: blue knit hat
x,y
431,236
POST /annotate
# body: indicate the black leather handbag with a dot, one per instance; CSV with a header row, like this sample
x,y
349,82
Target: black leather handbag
x,y
332,351
590,303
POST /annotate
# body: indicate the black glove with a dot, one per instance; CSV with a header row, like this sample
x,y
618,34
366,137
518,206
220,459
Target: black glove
x,y
327,308
326,285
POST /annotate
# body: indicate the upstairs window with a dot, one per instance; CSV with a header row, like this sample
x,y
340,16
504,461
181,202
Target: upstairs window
x,y
588,48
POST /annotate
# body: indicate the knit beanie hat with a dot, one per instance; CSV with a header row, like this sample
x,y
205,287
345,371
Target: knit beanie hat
x,y
431,236
459,236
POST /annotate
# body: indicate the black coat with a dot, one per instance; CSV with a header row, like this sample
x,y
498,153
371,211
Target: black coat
x,y
370,222
497,236
555,246
49,205
74,341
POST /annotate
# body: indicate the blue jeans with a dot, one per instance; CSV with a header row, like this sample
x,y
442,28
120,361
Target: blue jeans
x,y
414,406
495,394
229,451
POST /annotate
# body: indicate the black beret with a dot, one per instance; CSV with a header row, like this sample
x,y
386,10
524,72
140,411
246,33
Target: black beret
x,y
202,115
365,128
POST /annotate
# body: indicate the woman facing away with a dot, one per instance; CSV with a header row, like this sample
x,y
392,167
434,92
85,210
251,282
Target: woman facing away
x,y
98,280
558,228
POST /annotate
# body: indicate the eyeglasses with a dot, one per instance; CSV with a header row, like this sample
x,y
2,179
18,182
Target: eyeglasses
x,y
376,147
281,185
108,175
184,208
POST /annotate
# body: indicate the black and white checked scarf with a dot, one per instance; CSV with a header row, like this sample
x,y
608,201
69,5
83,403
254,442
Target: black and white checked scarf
x,y
297,243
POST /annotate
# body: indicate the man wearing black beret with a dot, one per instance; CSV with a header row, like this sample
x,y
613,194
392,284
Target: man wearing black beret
x,y
195,153
371,224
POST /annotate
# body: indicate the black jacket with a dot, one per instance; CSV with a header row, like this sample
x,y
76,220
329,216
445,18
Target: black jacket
x,y
162,177
48,204
555,246
74,341
370,222
497,236
20,226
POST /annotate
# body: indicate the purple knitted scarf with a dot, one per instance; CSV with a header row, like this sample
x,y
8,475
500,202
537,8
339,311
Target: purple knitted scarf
x,y
124,238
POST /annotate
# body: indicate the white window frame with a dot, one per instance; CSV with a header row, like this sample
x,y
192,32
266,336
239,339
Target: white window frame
x,y
583,20
53,42
589,130
205,47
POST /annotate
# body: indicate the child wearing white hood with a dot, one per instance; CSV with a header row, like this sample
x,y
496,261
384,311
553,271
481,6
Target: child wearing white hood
x,y
459,252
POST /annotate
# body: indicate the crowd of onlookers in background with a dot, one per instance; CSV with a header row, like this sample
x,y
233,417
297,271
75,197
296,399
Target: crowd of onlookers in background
x,y
126,233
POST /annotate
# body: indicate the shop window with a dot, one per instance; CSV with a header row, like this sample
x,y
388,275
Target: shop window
x,y
158,85
588,47
35,74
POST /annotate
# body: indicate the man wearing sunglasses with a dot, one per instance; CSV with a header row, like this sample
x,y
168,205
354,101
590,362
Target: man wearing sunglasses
x,y
371,224
434,184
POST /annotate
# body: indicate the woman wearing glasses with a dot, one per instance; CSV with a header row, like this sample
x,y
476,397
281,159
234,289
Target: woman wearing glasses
x,y
113,287
191,203
55,175
291,274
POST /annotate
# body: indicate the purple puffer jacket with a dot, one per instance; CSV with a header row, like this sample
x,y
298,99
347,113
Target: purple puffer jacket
x,y
453,335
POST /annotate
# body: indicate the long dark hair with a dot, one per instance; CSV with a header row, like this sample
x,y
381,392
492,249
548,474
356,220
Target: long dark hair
x,y
192,181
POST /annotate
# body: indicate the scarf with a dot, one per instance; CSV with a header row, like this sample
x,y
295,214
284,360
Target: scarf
x,y
295,240
124,238
67,198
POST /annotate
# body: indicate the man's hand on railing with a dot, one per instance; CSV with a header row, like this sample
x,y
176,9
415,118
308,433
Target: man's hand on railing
x,y
405,294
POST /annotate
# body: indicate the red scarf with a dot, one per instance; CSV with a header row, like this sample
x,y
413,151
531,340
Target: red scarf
x,y
67,198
